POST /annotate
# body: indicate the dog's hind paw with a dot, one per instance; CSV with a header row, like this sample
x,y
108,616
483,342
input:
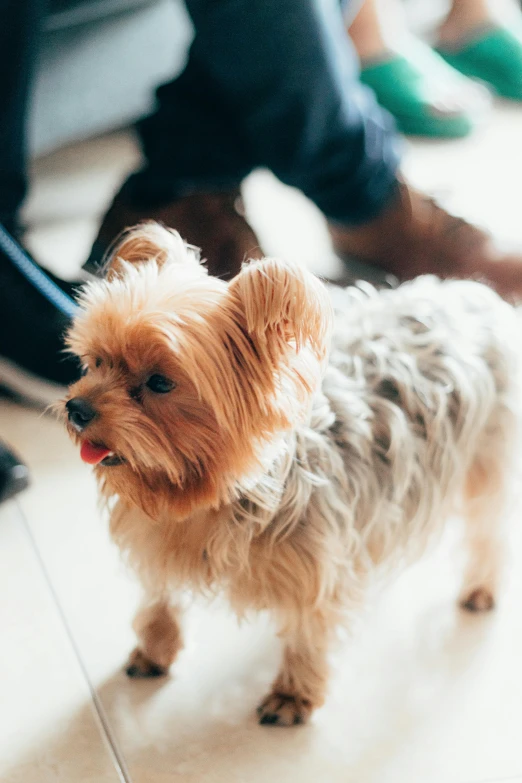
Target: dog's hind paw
x,y
139,665
280,709
479,600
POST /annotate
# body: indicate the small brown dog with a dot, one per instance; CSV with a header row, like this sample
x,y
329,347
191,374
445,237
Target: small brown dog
x,y
242,456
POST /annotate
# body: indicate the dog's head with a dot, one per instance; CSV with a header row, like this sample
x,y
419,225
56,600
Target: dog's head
x,y
188,378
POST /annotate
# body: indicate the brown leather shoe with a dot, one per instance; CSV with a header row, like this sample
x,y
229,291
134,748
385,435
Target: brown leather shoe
x,y
416,236
214,222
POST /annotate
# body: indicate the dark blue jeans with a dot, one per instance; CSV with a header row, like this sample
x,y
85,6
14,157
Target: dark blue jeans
x,y
271,83
268,83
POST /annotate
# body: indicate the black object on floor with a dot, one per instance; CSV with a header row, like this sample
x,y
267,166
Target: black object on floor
x,y
14,475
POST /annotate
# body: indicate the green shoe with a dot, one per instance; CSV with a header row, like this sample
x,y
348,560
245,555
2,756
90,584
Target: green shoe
x,y
495,58
414,93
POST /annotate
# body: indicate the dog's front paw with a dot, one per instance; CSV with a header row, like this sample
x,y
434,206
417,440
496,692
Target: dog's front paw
x,y
281,709
139,665
479,600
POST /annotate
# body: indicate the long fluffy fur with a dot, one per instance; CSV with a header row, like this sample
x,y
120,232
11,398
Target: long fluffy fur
x,y
280,479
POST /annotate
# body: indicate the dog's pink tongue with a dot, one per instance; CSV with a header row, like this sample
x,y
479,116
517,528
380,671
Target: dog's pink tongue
x,y
93,454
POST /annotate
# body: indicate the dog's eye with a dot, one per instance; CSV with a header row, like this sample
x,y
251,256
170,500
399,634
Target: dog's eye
x,y
84,370
159,384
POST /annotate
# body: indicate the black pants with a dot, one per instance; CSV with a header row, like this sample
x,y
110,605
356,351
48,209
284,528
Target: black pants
x,y
270,83
19,39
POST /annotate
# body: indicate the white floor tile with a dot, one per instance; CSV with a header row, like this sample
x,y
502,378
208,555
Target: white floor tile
x,y
49,730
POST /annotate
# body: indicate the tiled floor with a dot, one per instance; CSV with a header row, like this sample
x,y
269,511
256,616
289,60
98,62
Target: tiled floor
x,y
420,693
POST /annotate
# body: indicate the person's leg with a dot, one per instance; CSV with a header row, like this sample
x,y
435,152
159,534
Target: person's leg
x,y
464,18
483,40
19,33
409,79
192,142
367,33
196,158
282,77
289,78
269,83
371,38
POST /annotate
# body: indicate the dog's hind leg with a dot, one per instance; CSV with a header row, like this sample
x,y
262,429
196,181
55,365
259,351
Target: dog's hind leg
x,y
159,639
485,510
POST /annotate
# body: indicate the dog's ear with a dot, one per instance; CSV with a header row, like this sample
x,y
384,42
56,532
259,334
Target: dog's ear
x,y
148,241
284,305
280,319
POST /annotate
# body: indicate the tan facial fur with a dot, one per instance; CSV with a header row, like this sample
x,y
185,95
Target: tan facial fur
x,y
241,373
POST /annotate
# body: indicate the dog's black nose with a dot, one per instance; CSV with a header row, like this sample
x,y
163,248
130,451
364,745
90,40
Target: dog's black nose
x,y
80,412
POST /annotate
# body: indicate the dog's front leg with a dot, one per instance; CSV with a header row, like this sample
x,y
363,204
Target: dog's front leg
x,y
159,638
301,683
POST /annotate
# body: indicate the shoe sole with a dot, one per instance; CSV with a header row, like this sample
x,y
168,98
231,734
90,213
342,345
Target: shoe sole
x,y
28,386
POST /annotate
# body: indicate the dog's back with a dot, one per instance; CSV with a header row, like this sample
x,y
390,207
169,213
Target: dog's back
x,y
423,383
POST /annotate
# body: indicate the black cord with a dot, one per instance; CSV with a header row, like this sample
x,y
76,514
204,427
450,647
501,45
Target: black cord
x,y
36,276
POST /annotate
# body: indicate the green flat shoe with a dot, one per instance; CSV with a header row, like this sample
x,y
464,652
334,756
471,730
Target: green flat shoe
x,y
414,94
495,58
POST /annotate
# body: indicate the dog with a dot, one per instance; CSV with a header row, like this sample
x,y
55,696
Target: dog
x,y
251,438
